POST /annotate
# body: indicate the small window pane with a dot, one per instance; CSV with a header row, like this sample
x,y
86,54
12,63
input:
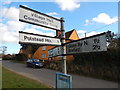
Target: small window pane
x,y
44,48
43,55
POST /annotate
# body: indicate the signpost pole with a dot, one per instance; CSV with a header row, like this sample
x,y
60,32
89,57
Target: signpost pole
x,y
63,46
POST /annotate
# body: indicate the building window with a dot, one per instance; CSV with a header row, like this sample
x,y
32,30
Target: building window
x,y
44,48
43,55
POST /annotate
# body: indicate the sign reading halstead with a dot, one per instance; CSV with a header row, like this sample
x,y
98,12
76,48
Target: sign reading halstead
x,y
34,17
30,38
94,43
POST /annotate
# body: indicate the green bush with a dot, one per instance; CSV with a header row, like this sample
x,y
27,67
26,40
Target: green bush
x,y
55,65
101,64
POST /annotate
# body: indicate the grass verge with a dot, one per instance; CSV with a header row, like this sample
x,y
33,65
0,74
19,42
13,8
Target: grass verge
x,y
0,75
13,80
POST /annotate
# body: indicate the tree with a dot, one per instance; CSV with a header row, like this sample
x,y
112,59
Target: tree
x,y
115,44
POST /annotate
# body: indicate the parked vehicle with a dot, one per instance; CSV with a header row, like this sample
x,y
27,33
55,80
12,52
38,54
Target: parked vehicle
x,y
34,63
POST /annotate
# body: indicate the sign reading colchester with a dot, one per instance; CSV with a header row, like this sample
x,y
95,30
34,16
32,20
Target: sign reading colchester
x,y
30,38
31,16
55,51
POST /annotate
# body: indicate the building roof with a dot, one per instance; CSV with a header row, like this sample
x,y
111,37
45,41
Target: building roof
x,y
67,34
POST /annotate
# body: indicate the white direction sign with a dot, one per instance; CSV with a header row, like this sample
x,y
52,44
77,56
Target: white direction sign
x,y
90,44
31,38
94,43
55,51
31,16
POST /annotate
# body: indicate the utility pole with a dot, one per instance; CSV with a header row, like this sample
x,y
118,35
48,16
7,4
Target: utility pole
x,y
63,46
85,35
3,49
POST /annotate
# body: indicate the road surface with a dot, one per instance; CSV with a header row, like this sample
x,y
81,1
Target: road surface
x,y
47,77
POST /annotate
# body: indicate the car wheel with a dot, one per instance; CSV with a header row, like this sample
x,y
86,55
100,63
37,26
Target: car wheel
x,y
33,66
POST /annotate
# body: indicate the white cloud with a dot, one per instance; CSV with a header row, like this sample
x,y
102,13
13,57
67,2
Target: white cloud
x,y
9,29
15,25
11,13
25,5
11,37
81,33
92,33
7,2
6,35
42,28
9,32
105,19
32,30
87,22
68,4
52,13
102,18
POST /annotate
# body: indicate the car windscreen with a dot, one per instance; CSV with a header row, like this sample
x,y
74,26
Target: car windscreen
x,y
36,60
